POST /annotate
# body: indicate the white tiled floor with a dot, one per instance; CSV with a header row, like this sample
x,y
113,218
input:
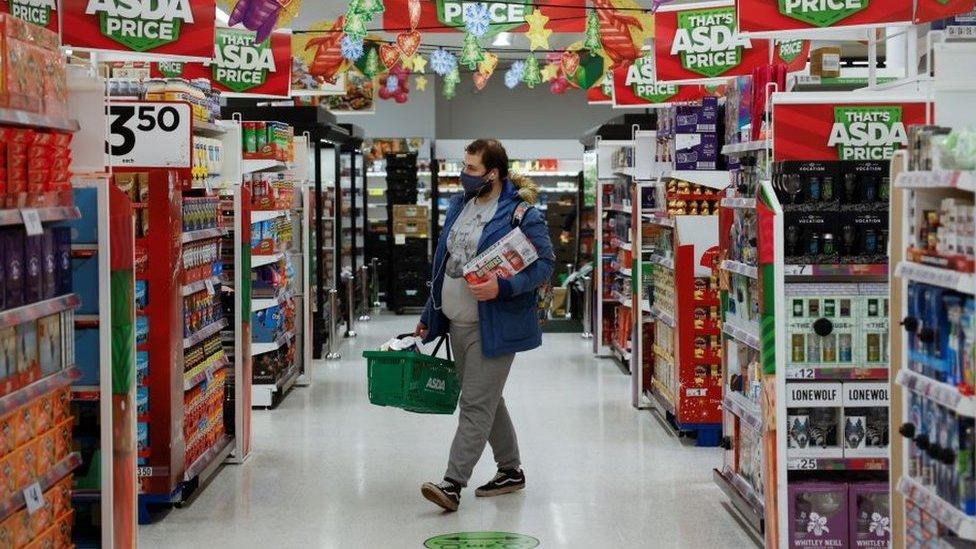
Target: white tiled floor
x,y
330,470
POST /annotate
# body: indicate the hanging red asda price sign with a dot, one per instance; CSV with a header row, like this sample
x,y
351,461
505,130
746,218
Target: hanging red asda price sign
x,y
240,65
851,131
504,16
183,28
40,12
701,42
635,86
932,10
779,15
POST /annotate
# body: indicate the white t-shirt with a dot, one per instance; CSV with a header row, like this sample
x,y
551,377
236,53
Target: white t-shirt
x,y
459,304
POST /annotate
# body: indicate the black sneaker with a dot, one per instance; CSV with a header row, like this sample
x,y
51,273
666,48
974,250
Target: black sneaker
x,y
447,494
505,482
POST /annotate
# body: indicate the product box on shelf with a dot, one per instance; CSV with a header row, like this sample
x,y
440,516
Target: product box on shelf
x,y
32,71
866,419
822,330
814,415
818,514
268,140
939,323
694,151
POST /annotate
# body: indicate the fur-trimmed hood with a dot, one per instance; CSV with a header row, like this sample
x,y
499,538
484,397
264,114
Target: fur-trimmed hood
x,y
526,188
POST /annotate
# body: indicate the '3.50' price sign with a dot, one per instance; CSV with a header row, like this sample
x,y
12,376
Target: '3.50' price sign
x,y
149,134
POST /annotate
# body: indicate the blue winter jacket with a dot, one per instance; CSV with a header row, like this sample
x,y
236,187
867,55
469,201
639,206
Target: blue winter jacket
x,y
509,323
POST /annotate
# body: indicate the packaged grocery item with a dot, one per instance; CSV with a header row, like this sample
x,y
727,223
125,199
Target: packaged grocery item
x,y
870,515
818,514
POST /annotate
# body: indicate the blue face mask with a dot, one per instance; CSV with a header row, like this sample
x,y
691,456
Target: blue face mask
x,y
474,185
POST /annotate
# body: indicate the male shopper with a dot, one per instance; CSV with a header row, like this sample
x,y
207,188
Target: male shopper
x,y
489,322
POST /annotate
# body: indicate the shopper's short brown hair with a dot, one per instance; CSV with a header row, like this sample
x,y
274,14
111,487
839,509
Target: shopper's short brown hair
x,y
493,155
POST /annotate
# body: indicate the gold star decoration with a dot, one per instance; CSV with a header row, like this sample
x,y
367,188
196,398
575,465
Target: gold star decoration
x,y
419,64
549,72
538,34
420,83
406,62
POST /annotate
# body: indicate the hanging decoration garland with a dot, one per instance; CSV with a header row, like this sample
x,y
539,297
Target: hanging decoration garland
x,y
570,62
471,52
477,19
262,16
480,80
532,76
514,74
390,55
395,85
408,42
368,8
592,40
451,81
413,9
442,61
420,83
537,34
419,64
351,47
622,36
371,65
329,59
488,64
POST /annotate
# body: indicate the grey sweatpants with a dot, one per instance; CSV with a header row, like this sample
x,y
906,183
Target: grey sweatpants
x,y
484,417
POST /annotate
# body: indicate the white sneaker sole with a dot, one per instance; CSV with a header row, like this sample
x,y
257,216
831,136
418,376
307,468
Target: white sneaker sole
x,y
436,496
499,491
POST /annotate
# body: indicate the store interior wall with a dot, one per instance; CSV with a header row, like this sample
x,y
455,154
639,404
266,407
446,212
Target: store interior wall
x,y
520,113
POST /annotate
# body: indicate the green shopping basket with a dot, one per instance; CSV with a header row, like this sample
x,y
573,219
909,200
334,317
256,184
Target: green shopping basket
x,y
413,381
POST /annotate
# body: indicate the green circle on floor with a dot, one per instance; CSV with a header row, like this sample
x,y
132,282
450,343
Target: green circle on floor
x,y
482,540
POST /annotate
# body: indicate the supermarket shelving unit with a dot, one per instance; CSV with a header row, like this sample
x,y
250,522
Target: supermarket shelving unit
x,y
914,394
326,137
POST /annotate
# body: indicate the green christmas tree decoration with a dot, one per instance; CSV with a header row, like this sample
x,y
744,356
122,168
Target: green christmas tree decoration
x,y
355,25
592,40
449,90
532,75
471,52
452,78
369,8
372,64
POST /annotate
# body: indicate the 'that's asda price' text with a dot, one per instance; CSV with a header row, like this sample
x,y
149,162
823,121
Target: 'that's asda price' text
x,y
141,24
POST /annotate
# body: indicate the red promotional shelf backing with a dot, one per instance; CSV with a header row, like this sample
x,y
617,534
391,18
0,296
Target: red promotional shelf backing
x,y
783,15
931,10
700,41
167,27
842,131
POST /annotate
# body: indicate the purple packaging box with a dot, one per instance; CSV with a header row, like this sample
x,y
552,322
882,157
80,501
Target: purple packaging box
x,y
33,266
701,118
818,515
870,514
48,265
62,249
13,244
696,151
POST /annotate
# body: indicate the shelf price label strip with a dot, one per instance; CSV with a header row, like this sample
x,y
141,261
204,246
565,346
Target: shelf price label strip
x,y
964,526
943,393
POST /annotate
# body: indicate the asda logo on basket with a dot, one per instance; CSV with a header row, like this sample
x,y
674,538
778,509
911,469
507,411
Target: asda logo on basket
x,y
436,384
867,133
239,63
706,41
33,11
821,13
502,16
141,25
643,81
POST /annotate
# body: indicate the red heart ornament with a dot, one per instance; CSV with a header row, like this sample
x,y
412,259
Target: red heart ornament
x,y
408,41
390,55
570,62
480,80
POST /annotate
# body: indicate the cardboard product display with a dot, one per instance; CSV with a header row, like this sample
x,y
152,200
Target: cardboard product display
x,y
825,62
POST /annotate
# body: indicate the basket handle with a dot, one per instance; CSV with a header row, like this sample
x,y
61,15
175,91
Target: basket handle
x,y
440,341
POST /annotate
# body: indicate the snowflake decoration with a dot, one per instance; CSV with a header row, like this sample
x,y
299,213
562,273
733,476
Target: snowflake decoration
x,y
880,525
477,19
818,524
392,83
442,61
352,47
518,69
512,78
